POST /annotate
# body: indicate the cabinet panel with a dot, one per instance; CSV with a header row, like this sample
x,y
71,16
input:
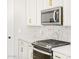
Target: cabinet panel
x,y
52,3
57,3
39,8
66,13
45,4
31,12
25,50
30,52
58,56
22,50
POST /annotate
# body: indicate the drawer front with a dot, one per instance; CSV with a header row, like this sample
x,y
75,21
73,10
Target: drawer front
x,y
58,56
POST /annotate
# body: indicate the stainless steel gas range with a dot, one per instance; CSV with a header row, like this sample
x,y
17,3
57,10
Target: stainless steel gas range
x,y
43,48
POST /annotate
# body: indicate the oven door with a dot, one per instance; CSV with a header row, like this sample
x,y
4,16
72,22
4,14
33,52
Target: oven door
x,y
39,54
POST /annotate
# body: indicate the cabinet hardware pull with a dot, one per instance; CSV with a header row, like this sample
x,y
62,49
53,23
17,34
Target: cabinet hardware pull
x,y
58,57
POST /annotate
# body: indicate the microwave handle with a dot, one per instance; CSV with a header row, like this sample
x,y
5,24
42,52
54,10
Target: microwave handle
x,y
54,16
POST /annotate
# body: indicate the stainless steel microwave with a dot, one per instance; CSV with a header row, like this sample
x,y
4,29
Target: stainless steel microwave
x,y
53,16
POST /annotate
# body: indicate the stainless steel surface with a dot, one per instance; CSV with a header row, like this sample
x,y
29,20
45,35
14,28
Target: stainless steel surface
x,y
52,16
47,45
50,43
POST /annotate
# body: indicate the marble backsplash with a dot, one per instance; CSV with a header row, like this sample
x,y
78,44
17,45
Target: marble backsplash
x,y
54,32
46,32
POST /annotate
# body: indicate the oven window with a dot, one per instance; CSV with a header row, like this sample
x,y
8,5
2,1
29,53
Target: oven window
x,y
38,55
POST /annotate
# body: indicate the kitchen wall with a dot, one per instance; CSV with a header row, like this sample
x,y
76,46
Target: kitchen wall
x,y
56,32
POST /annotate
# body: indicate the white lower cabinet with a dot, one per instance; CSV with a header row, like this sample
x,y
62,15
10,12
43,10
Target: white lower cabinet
x,y
30,53
58,56
24,50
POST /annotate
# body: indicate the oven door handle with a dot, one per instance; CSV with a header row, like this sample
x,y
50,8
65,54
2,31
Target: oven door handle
x,y
46,53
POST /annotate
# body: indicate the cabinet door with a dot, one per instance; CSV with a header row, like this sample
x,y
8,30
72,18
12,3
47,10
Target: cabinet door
x,y
45,4
52,3
58,56
30,49
22,50
66,13
39,8
31,12
57,3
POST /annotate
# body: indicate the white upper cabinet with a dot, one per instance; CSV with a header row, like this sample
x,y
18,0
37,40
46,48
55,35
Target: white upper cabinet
x,y
66,13
52,3
45,4
57,3
31,12
39,8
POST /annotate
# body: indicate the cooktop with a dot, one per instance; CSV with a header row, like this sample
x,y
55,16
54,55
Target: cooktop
x,y
49,44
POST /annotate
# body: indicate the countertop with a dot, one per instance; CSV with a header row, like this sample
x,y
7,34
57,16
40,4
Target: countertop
x,y
65,50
